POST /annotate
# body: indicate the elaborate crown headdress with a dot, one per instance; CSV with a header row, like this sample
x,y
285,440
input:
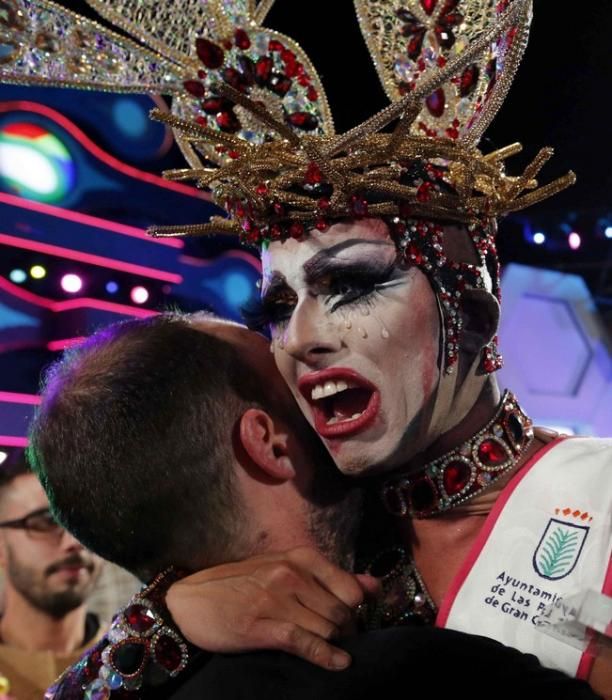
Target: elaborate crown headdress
x,y
251,117
253,121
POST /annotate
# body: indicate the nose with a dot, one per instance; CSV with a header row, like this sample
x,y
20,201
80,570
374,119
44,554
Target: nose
x,y
311,333
69,542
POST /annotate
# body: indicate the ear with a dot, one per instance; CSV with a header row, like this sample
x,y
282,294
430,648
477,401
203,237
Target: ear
x,y
266,443
480,313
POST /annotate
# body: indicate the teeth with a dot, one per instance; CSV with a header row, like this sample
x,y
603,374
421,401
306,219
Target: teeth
x,y
335,419
329,389
321,391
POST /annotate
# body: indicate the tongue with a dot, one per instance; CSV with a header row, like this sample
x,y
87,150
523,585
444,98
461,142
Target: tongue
x,y
347,403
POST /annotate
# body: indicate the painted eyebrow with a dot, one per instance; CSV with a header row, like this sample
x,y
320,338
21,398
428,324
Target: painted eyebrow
x,y
326,261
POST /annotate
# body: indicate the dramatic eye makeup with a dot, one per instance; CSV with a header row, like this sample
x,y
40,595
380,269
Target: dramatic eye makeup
x,y
350,283
342,282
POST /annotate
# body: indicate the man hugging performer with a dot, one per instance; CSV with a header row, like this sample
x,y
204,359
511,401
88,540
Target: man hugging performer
x,y
381,291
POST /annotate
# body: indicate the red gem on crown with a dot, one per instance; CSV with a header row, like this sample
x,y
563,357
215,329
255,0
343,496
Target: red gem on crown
x,y
241,38
210,54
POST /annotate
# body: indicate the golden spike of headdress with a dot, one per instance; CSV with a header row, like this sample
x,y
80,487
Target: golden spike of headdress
x,y
543,192
324,164
262,11
196,132
216,226
402,129
522,182
503,153
181,174
258,110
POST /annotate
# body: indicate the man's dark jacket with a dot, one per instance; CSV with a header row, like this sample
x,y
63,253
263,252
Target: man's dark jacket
x,y
397,662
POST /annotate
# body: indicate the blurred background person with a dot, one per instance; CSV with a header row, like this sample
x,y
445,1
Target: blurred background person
x,y
49,577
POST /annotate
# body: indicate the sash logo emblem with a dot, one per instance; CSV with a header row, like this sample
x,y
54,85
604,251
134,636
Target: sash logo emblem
x,y
559,549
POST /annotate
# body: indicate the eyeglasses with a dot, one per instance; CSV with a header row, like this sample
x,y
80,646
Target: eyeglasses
x,y
39,525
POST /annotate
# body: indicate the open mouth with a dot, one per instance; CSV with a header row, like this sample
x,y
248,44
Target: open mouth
x,y
342,401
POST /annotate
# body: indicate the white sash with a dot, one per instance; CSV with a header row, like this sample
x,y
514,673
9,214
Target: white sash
x,y
549,536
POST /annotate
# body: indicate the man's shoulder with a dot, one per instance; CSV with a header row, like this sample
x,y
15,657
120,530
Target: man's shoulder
x,y
382,661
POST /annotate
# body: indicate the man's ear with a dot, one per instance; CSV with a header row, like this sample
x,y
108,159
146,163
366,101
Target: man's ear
x,y
480,313
266,443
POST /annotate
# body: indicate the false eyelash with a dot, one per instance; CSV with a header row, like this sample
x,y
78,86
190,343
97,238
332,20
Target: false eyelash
x,y
365,299
255,316
259,316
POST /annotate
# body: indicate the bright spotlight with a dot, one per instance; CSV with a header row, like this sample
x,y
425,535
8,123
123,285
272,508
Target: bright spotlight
x,y
34,162
38,272
539,238
112,287
139,295
574,240
71,283
17,276
3,456
608,232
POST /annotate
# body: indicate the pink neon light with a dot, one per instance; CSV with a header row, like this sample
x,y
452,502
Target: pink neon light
x,y
238,254
13,441
70,304
12,397
100,305
86,219
97,152
58,345
89,258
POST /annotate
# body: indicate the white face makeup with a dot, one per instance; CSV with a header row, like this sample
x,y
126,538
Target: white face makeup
x,y
355,336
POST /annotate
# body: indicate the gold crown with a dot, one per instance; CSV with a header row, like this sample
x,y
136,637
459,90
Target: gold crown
x,y
252,118
291,183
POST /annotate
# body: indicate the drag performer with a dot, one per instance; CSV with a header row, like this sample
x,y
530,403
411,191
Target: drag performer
x,y
381,278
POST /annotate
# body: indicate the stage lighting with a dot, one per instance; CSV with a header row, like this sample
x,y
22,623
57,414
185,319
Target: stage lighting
x,y
139,295
38,272
539,238
237,289
71,283
3,456
574,240
34,162
112,287
608,232
18,276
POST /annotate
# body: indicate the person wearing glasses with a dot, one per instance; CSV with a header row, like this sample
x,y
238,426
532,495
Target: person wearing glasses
x,y
48,577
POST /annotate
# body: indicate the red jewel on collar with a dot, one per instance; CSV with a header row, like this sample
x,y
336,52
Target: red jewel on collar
x,y
466,471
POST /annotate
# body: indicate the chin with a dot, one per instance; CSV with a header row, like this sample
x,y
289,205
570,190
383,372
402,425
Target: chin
x,y
358,459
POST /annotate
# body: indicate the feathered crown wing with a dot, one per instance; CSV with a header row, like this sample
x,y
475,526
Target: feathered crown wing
x,y
410,40
183,50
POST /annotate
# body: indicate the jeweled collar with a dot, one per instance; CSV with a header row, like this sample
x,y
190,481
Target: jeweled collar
x,y
465,471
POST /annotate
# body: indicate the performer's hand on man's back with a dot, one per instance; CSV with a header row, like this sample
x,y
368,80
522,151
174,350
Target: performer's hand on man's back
x,y
293,601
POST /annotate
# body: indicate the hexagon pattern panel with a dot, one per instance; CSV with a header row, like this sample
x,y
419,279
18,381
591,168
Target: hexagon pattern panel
x,y
558,356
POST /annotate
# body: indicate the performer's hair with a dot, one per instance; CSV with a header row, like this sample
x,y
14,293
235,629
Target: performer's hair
x,y
163,397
